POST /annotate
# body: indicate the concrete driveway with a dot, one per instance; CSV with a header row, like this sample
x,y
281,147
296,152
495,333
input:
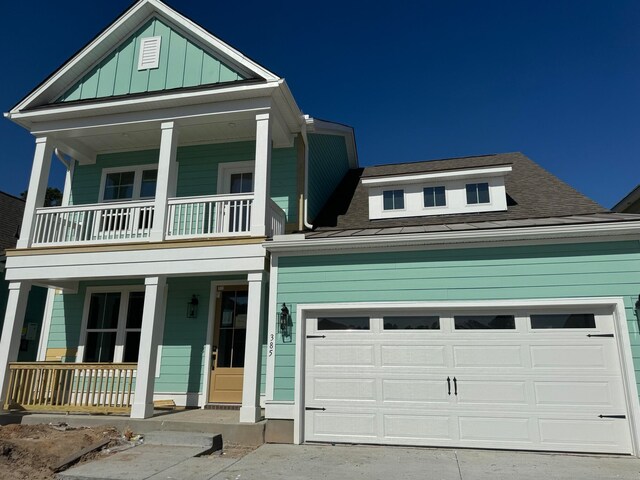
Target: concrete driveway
x,y
311,462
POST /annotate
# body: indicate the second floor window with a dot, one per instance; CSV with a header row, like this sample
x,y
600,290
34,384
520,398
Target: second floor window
x,y
131,184
393,199
434,197
477,193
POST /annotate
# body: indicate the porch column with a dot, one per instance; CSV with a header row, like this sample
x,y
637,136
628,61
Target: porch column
x,y
166,182
261,180
150,336
37,189
250,410
11,331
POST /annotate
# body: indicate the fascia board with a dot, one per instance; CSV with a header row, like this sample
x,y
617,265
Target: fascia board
x,y
138,13
577,233
443,175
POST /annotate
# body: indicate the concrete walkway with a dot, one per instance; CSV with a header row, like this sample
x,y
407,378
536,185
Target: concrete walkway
x,y
316,462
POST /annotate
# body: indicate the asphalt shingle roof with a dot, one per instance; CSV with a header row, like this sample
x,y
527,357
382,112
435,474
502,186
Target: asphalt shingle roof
x,y
11,209
534,197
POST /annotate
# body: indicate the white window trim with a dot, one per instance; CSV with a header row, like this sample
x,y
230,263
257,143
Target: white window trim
x,y
124,291
155,63
446,197
476,183
404,200
226,169
137,181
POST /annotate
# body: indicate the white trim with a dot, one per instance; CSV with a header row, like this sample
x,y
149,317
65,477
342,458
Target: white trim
x,y
469,174
124,291
279,410
615,304
149,46
226,169
46,325
605,231
272,328
137,181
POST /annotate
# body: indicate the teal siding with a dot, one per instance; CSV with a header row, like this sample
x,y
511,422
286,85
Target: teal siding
x,y
182,64
284,180
328,164
581,270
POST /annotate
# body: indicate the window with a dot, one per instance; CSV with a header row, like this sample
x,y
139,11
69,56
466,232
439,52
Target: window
x,y
485,322
129,183
434,197
567,320
393,199
112,333
412,323
477,193
343,323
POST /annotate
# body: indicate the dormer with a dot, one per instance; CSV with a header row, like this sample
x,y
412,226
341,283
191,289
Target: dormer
x,y
444,192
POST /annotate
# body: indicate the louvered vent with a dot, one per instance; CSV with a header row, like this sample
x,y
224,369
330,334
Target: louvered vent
x,y
149,53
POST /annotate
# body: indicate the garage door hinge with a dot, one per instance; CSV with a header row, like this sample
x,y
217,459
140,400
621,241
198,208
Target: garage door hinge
x,y
600,335
316,336
612,416
315,408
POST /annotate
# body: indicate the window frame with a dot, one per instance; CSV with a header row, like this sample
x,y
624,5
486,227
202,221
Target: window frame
x,y
478,202
121,329
137,182
430,207
394,209
226,169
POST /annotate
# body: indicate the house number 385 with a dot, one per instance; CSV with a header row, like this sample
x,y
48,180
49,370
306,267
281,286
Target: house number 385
x,y
271,338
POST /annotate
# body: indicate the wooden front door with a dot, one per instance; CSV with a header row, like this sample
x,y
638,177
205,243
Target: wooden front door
x,y
229,337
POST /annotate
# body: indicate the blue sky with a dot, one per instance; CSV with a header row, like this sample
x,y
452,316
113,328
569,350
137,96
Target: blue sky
x,y
559,81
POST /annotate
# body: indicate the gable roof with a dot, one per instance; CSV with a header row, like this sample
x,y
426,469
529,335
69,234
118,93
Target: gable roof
x,y
534,197
630,203
11,210
81,65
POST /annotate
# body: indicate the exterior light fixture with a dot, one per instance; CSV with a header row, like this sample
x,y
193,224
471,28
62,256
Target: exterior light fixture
x,y
637,308
192,307
285,323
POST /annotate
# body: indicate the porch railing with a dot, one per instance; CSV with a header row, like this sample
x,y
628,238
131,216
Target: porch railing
x,y
191,217
105,222
71,387
276,219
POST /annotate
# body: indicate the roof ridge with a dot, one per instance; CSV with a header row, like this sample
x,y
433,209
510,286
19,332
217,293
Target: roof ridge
x,y
441,159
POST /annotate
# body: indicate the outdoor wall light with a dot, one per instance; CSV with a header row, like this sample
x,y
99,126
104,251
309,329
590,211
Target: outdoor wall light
x,y
285,323
637,308
192,307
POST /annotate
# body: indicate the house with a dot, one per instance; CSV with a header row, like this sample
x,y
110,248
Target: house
x,y
630,203
217,246
11,211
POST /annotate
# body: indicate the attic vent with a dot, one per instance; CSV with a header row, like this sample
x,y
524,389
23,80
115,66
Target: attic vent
x,y
149,53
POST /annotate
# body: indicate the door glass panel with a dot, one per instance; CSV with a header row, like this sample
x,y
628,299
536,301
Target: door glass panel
x,y
131,347
103,311
119,186
566,320
233,325
134,312
485,322
412,323
343,323
241,182
100,347
148,184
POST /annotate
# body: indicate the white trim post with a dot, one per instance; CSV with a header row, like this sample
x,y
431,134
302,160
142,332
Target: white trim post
x,y
11,331
68,181
261,181
250,409
37,189
167,177
150,336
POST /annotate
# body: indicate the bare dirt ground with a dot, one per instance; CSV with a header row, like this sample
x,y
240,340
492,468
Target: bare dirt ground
x,y
31,452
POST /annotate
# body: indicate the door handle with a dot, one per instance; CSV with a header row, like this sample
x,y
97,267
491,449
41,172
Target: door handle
x,y
448,386
455,386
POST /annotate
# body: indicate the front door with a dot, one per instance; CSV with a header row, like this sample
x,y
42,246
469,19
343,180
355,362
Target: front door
x,y
230,327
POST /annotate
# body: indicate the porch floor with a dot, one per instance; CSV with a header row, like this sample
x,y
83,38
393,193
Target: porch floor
x,y
224,422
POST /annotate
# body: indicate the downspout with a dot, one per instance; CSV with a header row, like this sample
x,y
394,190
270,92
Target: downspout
x,y
60,156
306,177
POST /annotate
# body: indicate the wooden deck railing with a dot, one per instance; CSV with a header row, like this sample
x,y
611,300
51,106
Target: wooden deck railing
x,y
71,387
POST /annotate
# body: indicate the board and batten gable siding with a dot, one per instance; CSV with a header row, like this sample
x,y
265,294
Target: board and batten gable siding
x,y
505,273
328,164
197,171
182,64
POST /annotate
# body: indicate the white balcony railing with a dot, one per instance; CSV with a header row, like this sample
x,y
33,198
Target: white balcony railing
x,y
101,223
187,217
192,217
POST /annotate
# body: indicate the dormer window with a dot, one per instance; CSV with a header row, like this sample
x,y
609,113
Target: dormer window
x,y
477,193
393,199
434,197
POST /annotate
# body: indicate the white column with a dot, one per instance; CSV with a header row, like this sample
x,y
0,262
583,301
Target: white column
x,y
150,336
68,179
250,409
37,188
11,331
261,178
167,177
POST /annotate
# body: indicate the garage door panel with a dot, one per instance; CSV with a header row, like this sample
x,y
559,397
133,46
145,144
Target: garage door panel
x,y
494,428
327,355
417,427
562,393
492,392
591,357
585,434
481,356
343,426
414,391
346,389
408,356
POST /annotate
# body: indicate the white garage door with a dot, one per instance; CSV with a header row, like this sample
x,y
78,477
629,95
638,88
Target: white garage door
x,y
534,381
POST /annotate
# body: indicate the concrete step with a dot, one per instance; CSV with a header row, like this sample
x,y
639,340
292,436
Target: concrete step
x,y
184,439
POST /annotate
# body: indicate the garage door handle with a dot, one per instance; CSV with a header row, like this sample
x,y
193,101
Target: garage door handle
x,y
455,386
448,386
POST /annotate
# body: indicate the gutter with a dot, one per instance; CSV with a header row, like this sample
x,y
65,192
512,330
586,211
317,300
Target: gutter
x,y
605,231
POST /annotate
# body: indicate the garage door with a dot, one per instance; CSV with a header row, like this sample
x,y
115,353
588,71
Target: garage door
x,y
535,380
